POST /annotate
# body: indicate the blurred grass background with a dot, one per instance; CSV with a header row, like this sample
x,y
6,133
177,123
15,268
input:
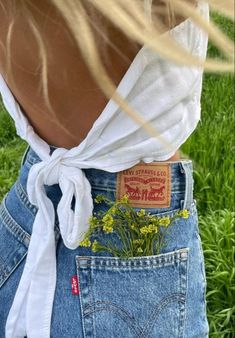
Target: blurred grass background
x,y
212,149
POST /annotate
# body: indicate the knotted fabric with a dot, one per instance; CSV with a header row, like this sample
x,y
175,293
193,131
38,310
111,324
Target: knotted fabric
x,y
38,281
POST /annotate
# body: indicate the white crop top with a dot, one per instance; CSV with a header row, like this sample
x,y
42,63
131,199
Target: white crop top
x,y
166,95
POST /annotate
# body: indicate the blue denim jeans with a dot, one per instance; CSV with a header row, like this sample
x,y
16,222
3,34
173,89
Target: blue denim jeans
x,y
154,296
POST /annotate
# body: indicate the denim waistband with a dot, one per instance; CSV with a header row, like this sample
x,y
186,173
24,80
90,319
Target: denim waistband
x,y
181,175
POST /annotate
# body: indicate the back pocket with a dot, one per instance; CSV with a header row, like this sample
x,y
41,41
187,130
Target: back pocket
x,y
136,297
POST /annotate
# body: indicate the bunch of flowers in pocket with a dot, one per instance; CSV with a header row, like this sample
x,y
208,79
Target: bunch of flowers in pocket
x,y
140,232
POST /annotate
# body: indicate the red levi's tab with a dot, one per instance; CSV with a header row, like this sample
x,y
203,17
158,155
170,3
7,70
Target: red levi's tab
x,y
148,185
74,285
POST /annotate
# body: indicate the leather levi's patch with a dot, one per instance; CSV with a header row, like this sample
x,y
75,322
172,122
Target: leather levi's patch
x,y
148,185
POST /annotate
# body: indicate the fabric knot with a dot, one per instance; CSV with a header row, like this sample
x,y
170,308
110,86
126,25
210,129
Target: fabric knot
x,y
40,266
53,167
73,183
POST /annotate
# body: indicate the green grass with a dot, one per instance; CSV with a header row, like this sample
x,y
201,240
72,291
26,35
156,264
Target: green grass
x,y
212,149
217,233
212,145
11,151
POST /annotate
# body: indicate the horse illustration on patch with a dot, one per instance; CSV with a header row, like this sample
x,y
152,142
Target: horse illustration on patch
x,y
146,184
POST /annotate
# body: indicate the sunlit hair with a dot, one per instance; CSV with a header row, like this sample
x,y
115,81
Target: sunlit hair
x,y
138,19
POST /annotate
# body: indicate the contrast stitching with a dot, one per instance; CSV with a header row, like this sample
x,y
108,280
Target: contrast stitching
x,y
6,274
23,197
165,259
112,307
164,302
127,317
19,233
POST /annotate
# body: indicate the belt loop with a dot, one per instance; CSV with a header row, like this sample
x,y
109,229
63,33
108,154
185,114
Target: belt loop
x,y
24,155
188,197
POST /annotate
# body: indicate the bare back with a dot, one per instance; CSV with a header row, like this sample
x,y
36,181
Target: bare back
x,y
75,96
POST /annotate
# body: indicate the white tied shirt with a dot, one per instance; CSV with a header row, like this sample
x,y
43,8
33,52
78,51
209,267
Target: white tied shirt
x,y
167,96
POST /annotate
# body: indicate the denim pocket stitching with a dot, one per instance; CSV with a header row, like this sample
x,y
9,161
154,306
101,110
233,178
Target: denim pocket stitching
x,y
125,315
170,213
23,238
181,298
31,160
23,198
202,263
8,272
203,272
12,226
168,258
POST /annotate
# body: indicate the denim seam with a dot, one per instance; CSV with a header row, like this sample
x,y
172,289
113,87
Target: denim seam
x,y
93,298
203,272
130,267
102,187
170,213
123,314
23,197
201,254
7,274
192,209
19,233
186,297
91,309
173,297
106,188
80,301
140,262
184,290
84,296
186,168
31,160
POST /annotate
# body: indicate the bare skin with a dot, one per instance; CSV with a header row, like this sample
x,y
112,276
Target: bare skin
x,y
75,96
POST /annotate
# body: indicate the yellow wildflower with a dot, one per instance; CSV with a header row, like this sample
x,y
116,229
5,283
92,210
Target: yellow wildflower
x,y
94,245
99,198
107,228
124,199
138,241
148,229
127,213
164,221
144,230
113,210
133,226
141,212
184,213
93,220
86,242
152,228
139,250
108,219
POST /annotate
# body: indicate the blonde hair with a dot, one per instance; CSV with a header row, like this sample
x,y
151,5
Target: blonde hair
x,y
138,23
